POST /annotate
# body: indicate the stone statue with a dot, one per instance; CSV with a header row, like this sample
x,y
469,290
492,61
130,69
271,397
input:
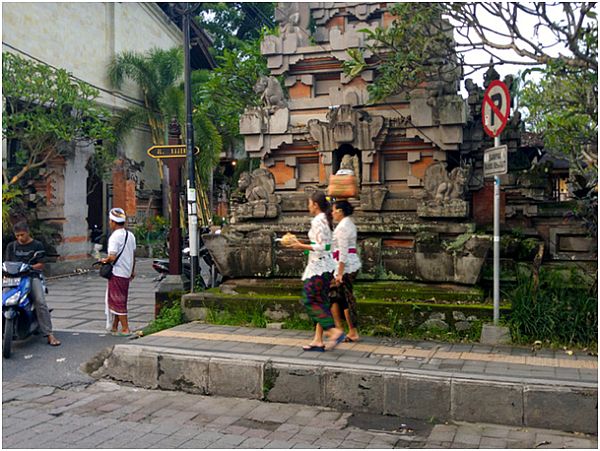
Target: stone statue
x,y
351,163
257,185
287,16
270,92
442,186
256,198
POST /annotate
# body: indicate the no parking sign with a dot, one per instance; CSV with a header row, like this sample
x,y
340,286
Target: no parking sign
x,y
495,109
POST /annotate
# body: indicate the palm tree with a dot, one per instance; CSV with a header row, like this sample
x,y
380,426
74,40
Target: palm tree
x,y
158,74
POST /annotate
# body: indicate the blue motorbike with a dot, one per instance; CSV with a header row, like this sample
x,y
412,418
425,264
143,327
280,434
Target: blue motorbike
x,y
19,319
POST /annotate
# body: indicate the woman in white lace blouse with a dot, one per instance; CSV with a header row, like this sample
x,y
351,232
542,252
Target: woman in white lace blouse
x,y
347,267
319,273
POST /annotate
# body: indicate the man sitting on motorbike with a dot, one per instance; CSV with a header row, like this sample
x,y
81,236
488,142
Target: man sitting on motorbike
x,y
21,250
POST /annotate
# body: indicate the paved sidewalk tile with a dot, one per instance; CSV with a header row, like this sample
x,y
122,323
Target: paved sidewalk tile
x,y
170,423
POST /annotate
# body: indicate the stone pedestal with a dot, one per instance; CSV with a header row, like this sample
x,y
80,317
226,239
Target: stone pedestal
x,y
455,208
495,335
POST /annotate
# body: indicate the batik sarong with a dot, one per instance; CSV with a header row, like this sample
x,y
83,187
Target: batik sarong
x,y
343,295
316,299
116,298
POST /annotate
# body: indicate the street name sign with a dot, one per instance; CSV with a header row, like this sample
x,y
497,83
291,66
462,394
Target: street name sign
x,y
170,151
495,161
495,108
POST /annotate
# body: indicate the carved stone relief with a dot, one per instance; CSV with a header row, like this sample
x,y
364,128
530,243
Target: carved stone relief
x,y
445,192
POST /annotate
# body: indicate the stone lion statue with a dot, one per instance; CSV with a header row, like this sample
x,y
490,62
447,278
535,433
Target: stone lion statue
x,y
444,186
258,185
270,92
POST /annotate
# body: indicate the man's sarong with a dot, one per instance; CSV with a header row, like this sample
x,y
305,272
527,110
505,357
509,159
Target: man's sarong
x,y
116,298
316,299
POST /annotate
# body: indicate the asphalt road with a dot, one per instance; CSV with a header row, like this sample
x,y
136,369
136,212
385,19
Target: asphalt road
x,y
34,361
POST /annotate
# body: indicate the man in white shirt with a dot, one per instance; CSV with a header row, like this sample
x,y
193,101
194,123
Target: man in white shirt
x,y
121,252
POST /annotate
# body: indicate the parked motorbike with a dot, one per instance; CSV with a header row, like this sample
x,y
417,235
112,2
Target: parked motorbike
x,y
19,319
209,275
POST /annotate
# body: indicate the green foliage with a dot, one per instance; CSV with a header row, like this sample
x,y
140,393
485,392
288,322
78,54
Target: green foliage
x,y
513,244
298,322
227,90
11,200
153,232
231,24
563,108
168,317
157,73
210,142
45,108
254,317
417,48
562,307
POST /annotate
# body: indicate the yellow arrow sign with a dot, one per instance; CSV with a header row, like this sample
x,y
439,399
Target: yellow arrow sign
x,y
170,151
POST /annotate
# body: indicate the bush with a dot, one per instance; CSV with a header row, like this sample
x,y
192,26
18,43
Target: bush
x,y
168,317
561,309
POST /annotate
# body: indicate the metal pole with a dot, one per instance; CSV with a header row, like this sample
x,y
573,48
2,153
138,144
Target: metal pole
x,y
189,141
496,243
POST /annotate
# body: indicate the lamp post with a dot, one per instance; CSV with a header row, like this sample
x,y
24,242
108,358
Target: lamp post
x,y
186,12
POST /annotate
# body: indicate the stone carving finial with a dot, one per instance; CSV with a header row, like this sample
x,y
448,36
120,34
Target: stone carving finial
x,y
490,76
270,93
287,16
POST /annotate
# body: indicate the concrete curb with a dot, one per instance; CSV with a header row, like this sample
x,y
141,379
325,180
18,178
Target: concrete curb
x,y
568,406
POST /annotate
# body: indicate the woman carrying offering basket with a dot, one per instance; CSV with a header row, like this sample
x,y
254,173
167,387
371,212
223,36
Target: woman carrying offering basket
x,y
348,265
318,273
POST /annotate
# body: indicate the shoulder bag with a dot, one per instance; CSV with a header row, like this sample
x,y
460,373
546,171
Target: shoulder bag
x,y
106,269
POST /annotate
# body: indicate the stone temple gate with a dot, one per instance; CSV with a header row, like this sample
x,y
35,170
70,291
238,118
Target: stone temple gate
x,y
418,159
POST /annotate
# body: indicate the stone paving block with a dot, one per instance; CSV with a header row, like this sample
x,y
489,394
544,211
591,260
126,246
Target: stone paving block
x,y
440,435
353,390
254,442
491,402
574,409
278,444
294,385
242,379
183,373
492,442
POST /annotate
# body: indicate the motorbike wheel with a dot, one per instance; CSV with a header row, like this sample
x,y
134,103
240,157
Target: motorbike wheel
x,y
9,326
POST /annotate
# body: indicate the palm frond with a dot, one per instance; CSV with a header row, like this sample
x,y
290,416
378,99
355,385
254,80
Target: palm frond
x,y
210,142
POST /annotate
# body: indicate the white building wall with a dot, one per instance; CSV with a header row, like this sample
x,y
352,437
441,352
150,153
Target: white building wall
x,y
83,38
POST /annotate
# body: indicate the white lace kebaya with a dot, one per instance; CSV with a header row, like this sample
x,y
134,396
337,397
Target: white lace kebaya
x,y
344,246
320,259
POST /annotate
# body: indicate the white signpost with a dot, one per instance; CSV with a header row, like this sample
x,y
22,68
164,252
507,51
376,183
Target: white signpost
x,y
495,161
494,116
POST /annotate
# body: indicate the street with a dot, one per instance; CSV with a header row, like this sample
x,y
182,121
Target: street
x,y
106,415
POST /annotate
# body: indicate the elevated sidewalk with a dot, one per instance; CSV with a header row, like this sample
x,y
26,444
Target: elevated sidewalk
x,y
414,379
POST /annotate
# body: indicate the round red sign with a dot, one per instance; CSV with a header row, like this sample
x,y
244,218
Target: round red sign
x,y
495,108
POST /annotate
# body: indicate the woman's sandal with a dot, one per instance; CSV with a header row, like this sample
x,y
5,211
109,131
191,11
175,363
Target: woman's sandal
x,y
333,343
313,348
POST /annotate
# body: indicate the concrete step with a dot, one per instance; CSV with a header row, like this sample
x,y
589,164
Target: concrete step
x,y
423,380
